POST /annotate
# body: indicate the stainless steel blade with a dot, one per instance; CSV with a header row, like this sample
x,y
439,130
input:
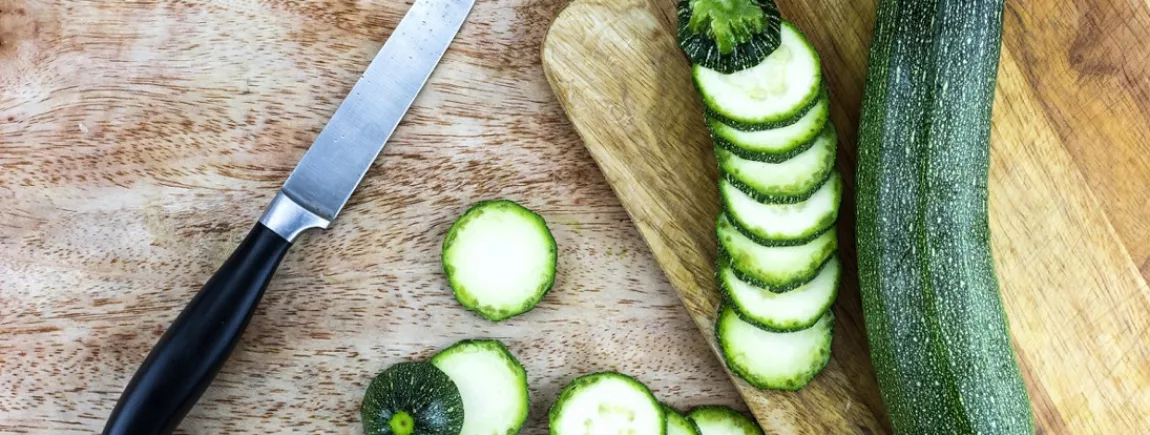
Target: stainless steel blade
x,y
331,169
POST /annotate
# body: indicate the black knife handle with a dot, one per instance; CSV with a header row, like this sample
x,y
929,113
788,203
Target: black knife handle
x,y
191,352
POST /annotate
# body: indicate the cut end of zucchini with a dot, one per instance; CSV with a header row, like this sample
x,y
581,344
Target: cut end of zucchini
x,y
412,398
679,424
606,403
728,35
774,360
492,383
773,93
499,258
721,420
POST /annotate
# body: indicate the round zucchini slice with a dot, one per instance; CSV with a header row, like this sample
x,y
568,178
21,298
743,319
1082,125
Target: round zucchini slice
x,y
500,259
789,181
774,93
492,383
606,403
773,360
721,420
679,424
781,267
412,398
776,145
792,310
783,224
728,35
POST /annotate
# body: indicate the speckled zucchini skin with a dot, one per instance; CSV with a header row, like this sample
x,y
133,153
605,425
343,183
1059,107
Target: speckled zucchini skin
x,y
934,316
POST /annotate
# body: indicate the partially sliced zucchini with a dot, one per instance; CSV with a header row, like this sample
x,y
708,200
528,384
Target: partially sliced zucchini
x,y
774,93
499,258
789,311
728,35
781,267
679,424
492,383
783,224
412,398
777,145
721,420
606,403
788,181
774,360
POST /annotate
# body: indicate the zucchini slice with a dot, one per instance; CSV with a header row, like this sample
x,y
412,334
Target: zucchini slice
x,y
606,403
774,144
774,93
728,35
492,383
790,180
499,258
679,424
412,398
782,267
721,420
783,224
773,360
777,145
789,311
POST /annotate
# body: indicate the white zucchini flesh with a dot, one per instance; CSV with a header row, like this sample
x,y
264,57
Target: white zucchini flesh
x,y
784,224
774,360
721,420
779,142
777,91
793,177
492,383
500,259
607,404
780,267
793,310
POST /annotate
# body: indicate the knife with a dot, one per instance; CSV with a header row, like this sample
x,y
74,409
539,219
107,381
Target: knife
x,y
190,353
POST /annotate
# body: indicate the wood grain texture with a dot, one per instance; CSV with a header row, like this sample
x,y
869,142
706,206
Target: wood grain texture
x,y
1068,185
139,141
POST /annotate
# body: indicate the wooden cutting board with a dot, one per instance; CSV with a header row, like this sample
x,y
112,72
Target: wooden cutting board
x,y
1069,181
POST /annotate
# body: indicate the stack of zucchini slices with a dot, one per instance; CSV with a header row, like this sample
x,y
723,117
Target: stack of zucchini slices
x,y
767,110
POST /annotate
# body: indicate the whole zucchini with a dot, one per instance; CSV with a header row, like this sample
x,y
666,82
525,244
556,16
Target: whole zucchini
x,y
934,316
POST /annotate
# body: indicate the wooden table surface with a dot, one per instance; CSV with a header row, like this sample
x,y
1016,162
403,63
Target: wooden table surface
x,y
139,141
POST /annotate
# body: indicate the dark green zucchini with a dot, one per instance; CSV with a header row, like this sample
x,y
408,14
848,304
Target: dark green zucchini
x,y
728,35
937,330
413,398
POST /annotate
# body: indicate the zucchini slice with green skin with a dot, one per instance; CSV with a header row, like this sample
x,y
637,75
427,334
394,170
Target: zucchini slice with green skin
x,y
776,145
781,267
769,360
721,420
774,93
499,258
679,424
938,333
412,398
606,403
789,311
492,383
783,224
788,181
728,35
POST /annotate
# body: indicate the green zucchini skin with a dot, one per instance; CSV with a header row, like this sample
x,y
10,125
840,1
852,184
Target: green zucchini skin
x,y
704,50
937,330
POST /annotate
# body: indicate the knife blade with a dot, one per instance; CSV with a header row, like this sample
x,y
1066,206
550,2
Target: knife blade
x,y
190,353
